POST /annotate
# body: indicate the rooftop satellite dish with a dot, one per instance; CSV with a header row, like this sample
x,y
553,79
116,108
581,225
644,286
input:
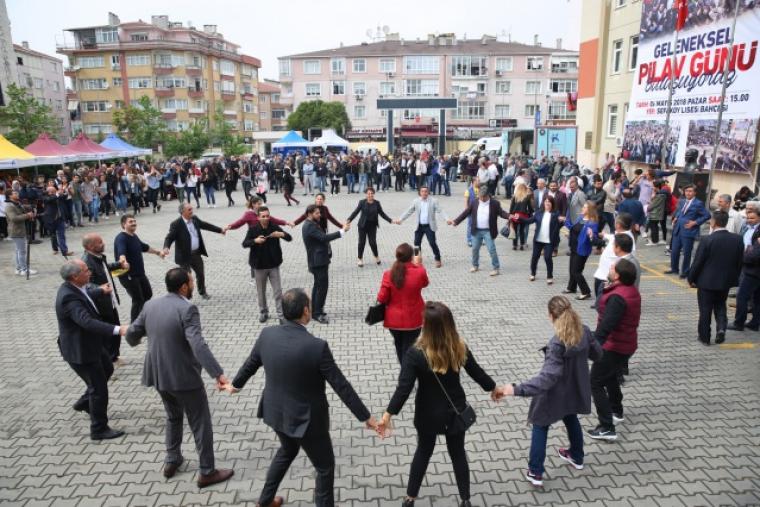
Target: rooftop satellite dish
x,y
386,29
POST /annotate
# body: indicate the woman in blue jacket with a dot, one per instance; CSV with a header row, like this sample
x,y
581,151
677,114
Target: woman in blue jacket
x,y
584,233
562,388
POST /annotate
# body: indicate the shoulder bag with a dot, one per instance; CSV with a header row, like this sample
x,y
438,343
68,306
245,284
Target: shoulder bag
x,y
463,419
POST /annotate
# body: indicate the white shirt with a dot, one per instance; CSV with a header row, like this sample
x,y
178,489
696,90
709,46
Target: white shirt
x,y
735,221
543,232
483,175
484,211
424,212
493,173
608,257
748,235
116,329
194,240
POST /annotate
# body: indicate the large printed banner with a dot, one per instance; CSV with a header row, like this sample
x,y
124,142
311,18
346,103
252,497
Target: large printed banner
x,y
701,50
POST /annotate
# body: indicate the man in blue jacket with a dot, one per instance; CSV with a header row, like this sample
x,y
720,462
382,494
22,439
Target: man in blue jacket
x,y
689,216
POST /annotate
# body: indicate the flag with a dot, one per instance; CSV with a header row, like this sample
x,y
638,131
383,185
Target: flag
x,y
572,101
682,6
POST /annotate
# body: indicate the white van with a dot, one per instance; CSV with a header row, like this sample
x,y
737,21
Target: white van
x,y
487,146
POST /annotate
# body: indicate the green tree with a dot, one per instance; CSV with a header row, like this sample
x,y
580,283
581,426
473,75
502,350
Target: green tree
x,y
189,143
26,117
222,135
142,125
316,113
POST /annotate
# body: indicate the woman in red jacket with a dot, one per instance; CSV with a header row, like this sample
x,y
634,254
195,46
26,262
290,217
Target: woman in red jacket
x,y
401,292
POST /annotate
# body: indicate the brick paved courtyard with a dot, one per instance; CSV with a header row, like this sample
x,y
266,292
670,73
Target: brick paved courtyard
x,y
691,435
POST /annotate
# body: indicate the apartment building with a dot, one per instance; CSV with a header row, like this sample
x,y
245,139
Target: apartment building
x,y
273,114
7,62
608,57
42,76
186,72
498,84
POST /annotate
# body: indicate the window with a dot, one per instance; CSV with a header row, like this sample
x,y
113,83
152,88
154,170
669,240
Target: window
x,y
275,98
136,103
115,62
195,61
468,66
387,88
137,37
530,110
619,3
59,105
563,64
93,84
96,106
140,82
217,86
89,62
633,52
117,81
278,114
360,88
617,55
360,112
470,111
338,87
228,87
169,60
118,104
338,65
503,87
421,87
174,104
481,88
360,65
532,87
248,107
313,89
215,65
504,64
558,110
248,88
421,65
387,65
233,124
138,60
263,115
502,111
227,67
312,67
249,125
535,63
171,82
563,85
411,114
246,70
106,35
612,120
198,106
95,129
284,65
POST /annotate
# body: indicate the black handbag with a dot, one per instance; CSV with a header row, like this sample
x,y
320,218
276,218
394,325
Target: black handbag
x,y
375,314
464,419
505,231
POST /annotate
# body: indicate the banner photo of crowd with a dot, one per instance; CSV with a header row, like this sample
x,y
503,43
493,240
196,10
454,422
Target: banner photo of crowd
x,y
692,60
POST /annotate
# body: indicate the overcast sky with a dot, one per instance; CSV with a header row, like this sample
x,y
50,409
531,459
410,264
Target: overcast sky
x,y
268,29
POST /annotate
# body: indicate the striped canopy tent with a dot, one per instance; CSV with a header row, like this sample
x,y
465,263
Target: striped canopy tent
x,y
13,157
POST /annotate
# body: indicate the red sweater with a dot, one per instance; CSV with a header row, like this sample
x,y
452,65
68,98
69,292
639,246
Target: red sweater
x,y
252,219
404,306
623,334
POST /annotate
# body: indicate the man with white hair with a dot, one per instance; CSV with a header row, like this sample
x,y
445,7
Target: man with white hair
x,y
735,221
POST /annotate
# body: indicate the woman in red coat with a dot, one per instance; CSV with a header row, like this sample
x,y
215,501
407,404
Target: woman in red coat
x,y
401,292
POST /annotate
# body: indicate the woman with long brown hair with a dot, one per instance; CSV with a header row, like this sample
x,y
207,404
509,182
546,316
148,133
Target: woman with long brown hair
x,y
521,209
562,389
401,293
435,362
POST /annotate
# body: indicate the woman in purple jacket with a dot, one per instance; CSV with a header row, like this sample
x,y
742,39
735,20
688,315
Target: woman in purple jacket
x,y
562,388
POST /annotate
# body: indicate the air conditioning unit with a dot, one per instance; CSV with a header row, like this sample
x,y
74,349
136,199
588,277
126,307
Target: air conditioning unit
x,y
618,142
359,97
390,75
115,66
499,73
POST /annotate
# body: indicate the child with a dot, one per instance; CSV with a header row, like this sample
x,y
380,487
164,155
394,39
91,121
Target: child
x,y
562,389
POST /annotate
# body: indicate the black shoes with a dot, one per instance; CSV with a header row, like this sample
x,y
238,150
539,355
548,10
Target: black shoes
x,y
720,337
671,272
408,502
703,341
602,433
82,406
322,319
171,468
263,317
108,434
205,296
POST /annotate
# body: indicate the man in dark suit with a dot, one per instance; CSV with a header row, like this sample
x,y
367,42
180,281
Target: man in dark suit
x,y
689,216
716,269
54,218
318,254
81,331
297,365
100,274
186,232
484,212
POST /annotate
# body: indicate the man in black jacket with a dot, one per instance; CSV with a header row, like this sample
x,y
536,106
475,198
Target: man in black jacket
x,y
749,282
81,331
265,258
53,217
100,275
186,231
714,271
297,365
318,254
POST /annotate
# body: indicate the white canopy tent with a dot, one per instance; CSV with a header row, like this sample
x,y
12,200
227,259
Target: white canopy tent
x,y
330,139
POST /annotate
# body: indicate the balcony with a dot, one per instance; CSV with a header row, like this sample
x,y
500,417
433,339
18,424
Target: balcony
x,y
228,94
197,111
230,112
195,93
164,92
161,69
193,70
199,46
169,113
70,71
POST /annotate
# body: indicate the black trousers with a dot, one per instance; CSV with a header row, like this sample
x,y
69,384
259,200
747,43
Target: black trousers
x,y
577,281
425,447
369,232
605,386
112,344
319,290
424,229
403,339
138,288
196,264
711,302
95,376
318,448
546,248
654,229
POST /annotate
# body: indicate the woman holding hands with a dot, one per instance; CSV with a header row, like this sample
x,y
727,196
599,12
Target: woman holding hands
x,y
584,233
371,211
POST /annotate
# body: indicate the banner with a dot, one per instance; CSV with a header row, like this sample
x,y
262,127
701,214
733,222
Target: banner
x,y
701,50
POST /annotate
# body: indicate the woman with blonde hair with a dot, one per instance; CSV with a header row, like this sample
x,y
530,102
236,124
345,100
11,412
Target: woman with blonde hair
x,y
435,362
520,210
561,390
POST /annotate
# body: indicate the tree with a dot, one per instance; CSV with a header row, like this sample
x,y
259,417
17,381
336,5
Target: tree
x,y
26,117
142,125
222,135
316,113
189,143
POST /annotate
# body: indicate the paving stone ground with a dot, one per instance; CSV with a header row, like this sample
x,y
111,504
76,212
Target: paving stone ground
x,y
691,435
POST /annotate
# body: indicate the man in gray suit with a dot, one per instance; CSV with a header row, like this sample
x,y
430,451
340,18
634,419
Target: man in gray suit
x,y
575,199
425,209
176,353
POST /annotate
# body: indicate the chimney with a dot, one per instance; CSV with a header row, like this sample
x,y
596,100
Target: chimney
x,y
431,39
559,43
25,44
535,40
113,19
209,29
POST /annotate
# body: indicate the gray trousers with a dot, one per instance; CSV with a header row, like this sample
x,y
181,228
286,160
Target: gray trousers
x,y
194,403
273,275
21,260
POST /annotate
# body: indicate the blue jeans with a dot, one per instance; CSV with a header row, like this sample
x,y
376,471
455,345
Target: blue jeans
x,y
210,197
538,443
681,243
508,181
478,237
469,231
412,181
94,208
321,183
58,236
350,182
362,182
77,213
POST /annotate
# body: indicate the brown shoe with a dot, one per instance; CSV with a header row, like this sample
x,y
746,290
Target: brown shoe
x,y
438,264
170,469
278,500
215,477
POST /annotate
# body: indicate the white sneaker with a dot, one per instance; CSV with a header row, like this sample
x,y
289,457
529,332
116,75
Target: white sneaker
x,y
617,419
19,271
644,234
473,269
31,272
649,243
495,272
